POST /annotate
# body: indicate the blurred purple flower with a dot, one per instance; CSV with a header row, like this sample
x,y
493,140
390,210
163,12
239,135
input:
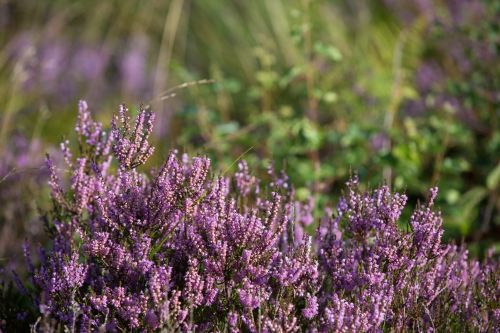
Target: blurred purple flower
x,y
133,66
43,65
379,141
89,63
21,178
464,11
413,108
53,61
427,76
408,11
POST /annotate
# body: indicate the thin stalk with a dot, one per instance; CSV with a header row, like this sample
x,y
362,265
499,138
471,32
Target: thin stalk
x,y
312,108
165,53
396,94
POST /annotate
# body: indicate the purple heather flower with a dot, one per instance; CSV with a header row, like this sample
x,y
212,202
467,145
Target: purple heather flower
x,y
179,249
428,75
311,309
133,66
89,63
379,141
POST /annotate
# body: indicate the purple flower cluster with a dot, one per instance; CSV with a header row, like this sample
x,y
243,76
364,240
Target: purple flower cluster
x,y
181,249
380,276
459,51
42,66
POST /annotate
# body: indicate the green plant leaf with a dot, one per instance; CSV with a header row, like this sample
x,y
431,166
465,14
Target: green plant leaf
x,y
493,178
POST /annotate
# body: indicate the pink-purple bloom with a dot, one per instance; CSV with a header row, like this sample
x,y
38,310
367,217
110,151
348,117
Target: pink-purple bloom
x,y
184,249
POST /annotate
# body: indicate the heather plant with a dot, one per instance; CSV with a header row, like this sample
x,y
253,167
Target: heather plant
x,y
183,249
380,276
43,65
22,176
406,87
456,101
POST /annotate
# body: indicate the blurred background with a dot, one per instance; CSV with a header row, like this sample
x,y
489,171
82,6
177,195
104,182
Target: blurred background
x,y
400,92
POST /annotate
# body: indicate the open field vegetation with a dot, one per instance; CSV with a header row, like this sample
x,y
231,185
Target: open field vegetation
x,y
276,166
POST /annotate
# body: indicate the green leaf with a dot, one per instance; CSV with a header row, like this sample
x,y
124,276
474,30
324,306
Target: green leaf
x,y
330,97
469,203
452,196
328,51
267,78
227,128
493,178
